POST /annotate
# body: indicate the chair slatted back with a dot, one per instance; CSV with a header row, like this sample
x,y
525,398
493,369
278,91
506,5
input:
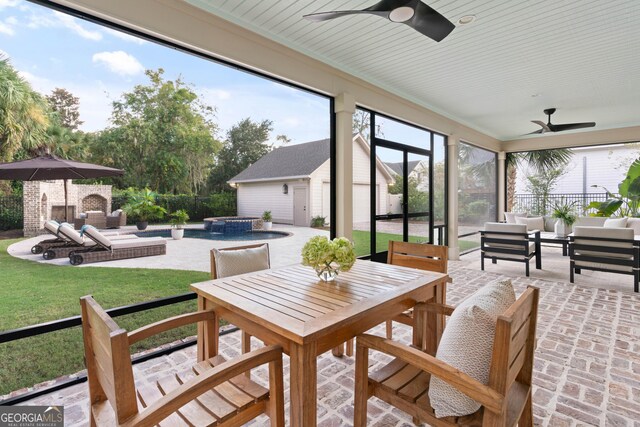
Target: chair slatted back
x,y
214,273
418,255
108,360
514,343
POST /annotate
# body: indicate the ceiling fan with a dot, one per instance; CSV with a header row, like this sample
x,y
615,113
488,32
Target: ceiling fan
x,y
413,13
549,127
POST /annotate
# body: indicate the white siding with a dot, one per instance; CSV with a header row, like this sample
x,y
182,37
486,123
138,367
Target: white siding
x,y
255,198
319,184
605,166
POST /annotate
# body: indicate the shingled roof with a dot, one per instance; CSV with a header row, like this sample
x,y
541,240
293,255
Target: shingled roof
x,y
397,167
299,160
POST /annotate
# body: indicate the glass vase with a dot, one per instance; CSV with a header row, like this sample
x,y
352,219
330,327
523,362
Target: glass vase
x,y
327,274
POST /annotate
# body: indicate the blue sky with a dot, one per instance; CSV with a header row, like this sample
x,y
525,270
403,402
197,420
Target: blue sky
x,y
98,64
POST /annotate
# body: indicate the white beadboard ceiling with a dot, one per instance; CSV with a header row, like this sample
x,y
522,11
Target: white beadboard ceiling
x,y
495,75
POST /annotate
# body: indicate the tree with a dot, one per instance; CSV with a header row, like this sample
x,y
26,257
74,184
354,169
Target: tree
x,y
245,144
66,106
541,184
541,161
23,114
361,122
163,136
283,139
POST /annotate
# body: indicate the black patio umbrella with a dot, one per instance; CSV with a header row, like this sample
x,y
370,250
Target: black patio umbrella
x,y
50,167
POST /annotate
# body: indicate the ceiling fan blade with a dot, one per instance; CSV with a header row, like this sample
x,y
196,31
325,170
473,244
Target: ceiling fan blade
x,y
326,16
536,132
571,126
430,23
543,125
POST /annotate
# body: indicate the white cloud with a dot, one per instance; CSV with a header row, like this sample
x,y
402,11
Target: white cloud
x,y
61,20
119,62
6,28
215,94
8,3
124,36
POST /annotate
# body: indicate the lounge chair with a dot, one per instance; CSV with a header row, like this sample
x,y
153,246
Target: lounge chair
x,y
74,241
107,249
50,227
509,242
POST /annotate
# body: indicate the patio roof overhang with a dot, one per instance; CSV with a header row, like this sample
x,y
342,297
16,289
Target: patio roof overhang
x,y
190,25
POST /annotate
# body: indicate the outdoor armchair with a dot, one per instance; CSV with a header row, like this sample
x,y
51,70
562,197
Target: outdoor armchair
x,y
117,219
613,250
212,393
509,242
405,382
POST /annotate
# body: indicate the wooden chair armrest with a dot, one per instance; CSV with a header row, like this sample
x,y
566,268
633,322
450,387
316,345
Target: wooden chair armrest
x,y
193,388
486,396
447,310
167,324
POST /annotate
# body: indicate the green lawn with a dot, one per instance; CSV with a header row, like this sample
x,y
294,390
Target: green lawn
x,y
361,240
32,293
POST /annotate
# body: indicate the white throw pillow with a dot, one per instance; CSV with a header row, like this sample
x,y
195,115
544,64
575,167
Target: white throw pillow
x,y
534,223
510,217
467,345
231,263
615,223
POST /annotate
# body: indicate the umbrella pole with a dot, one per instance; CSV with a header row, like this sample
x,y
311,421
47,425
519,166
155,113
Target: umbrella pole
x,y
66,207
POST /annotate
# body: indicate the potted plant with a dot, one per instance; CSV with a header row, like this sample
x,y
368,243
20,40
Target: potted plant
x,y
142,206
563,213
328,257
266,218
178,220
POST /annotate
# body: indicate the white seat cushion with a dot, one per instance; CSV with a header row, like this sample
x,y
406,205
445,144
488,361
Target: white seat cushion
x,y
467,344
510,217
615,223
138,243
241,261
634,223
533,223
487,252
589,221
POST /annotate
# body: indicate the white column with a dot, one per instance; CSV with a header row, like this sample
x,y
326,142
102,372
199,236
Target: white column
x,y
452,214
502,188
345,106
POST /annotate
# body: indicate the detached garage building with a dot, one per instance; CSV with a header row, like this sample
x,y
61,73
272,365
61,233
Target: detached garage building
x,y
293,182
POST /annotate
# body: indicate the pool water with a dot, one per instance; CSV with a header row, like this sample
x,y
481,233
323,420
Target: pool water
x,y
194,233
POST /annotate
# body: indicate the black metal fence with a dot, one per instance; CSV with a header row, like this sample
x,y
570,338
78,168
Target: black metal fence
x,y
539,205
11,213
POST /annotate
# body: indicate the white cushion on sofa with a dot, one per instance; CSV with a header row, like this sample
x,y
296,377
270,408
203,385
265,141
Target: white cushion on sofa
x,y
533,223
615,223
510,217
635,224
467,344
231,263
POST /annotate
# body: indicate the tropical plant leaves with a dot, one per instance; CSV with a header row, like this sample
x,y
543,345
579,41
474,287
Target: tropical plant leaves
x,y
630,186
606,208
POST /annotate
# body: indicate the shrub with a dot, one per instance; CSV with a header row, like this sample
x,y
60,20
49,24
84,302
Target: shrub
x,y
222,204
318,221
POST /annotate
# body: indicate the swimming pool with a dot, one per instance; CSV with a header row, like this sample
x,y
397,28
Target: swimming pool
x,y
194,233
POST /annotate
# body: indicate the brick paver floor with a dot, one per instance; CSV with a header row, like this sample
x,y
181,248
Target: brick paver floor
x,y
587,368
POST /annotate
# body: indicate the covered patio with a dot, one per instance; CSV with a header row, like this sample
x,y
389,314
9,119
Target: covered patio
x,y
480,91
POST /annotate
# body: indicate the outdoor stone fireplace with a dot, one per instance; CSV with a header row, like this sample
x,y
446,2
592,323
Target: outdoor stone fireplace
x,y
44,200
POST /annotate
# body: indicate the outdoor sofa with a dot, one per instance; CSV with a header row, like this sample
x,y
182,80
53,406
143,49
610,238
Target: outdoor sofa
x,y
98,219
107,249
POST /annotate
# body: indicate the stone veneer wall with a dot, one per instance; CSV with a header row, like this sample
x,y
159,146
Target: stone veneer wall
x,y
40,196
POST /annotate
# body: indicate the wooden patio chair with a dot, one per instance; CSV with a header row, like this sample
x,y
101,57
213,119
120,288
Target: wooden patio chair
x,y
213,393
246,268
420,256
404,383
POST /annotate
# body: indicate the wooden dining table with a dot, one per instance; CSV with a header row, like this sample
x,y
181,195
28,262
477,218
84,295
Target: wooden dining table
x,y
291,307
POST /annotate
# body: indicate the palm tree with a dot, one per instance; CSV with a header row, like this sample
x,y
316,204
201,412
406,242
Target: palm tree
x,y
23,114
541,161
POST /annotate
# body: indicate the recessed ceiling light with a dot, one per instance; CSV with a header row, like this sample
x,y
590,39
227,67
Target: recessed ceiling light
x,y
466,20
401,14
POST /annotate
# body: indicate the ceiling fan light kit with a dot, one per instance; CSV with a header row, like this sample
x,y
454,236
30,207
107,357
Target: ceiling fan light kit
x,y
413,13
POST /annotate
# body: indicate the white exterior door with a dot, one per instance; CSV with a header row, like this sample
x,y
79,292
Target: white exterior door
x,y
361,203
300,207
